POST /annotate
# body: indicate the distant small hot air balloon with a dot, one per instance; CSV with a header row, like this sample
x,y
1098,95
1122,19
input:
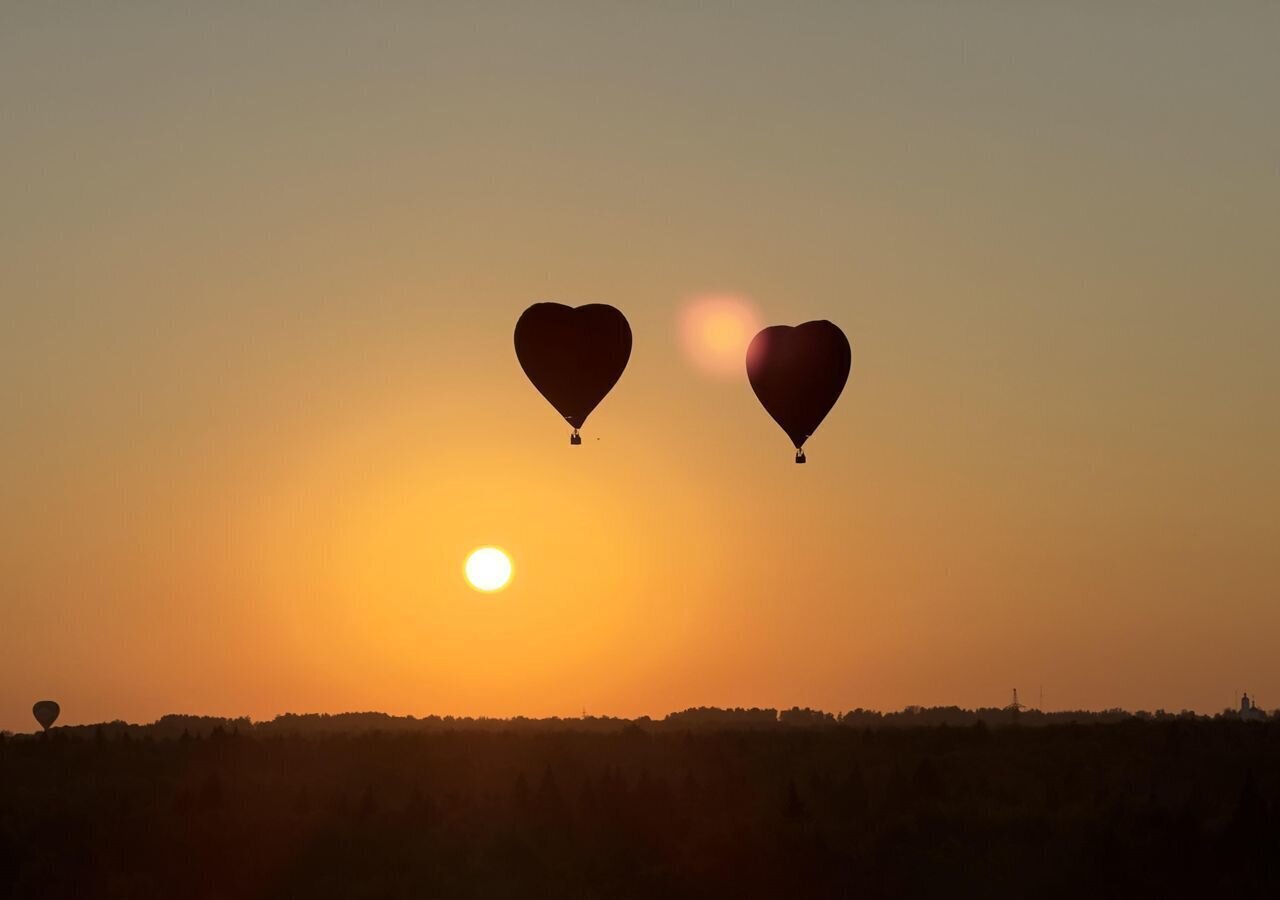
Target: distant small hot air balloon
x,y
573,355
798,374
46,713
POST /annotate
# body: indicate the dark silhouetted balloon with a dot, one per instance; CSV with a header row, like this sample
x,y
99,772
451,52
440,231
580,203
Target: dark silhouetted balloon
x,y
573,355
798,374
46,713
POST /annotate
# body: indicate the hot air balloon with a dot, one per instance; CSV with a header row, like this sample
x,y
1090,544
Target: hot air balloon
x,y
573,355
798,374
46,713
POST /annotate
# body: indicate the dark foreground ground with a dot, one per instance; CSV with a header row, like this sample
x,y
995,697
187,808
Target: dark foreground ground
x,y
1135,809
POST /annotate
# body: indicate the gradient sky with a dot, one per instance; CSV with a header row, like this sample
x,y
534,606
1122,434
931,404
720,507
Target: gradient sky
x,y
259,271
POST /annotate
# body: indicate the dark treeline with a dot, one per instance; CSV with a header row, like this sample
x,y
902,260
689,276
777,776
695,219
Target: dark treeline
x,y
698,807
698,719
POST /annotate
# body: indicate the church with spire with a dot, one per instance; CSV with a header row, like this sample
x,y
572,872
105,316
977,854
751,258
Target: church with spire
x,y
1249,711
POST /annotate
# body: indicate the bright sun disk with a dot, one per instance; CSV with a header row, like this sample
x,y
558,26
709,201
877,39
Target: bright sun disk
x,y
488,569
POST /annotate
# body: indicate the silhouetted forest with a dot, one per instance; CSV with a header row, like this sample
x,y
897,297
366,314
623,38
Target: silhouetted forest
x,y
704,803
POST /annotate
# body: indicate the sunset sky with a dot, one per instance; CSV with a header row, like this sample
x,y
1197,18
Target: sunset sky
x,y
259,271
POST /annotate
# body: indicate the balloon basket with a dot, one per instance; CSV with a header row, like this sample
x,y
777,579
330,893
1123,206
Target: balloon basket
x,y
800,460
575,439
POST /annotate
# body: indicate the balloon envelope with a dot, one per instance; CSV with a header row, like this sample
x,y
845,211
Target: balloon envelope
x,y
573,355
46,713
798,374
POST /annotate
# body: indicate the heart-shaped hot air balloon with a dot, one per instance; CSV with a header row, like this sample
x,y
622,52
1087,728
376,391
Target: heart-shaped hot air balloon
x,y
46,713
573,355
798,374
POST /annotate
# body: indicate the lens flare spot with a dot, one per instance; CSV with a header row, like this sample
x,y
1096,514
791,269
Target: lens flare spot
x,y
715,330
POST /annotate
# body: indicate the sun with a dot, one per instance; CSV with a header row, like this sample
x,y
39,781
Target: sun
x,y
488,569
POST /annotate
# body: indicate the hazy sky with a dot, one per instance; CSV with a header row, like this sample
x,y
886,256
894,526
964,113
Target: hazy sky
x,y
259,270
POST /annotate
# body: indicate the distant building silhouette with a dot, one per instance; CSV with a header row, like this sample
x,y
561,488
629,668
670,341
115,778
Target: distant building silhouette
x,y
1249,710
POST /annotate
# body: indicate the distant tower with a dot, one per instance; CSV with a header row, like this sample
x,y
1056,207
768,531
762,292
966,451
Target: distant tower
x,y
1015,705
1249,711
